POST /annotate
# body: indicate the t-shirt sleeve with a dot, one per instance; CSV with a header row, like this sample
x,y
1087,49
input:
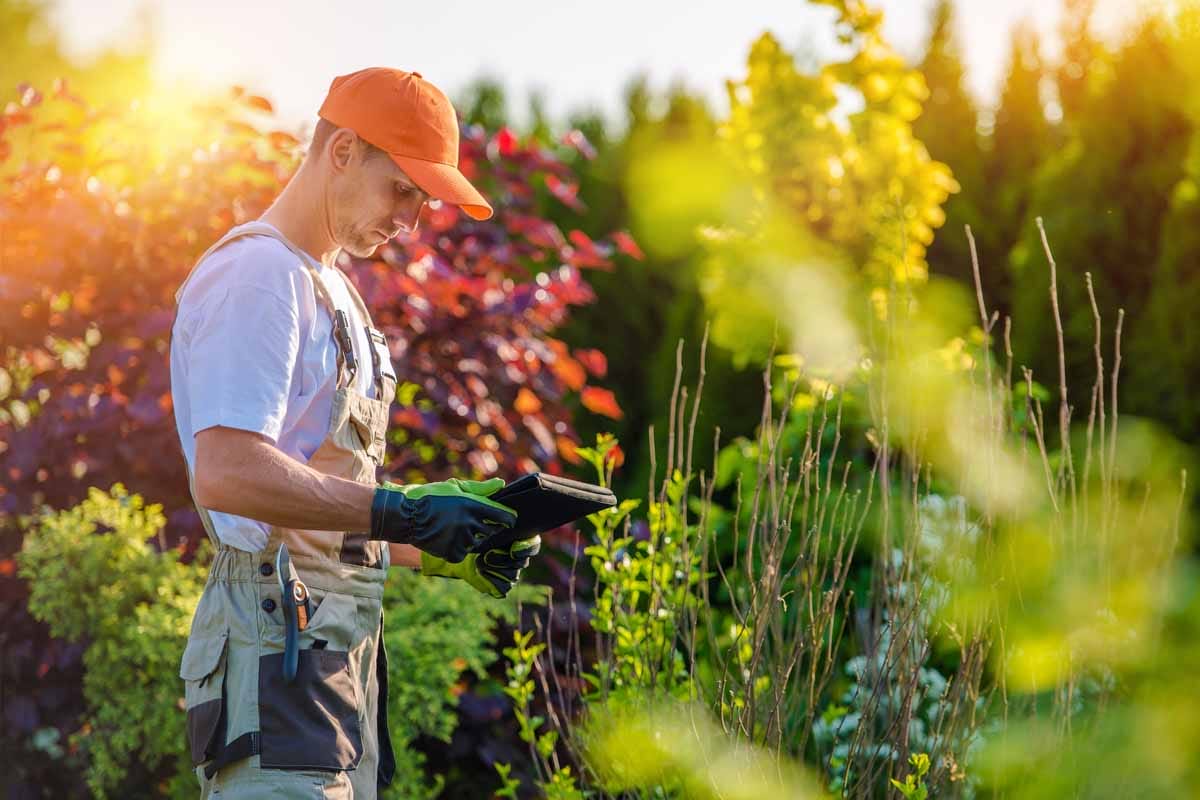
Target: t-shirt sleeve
x,y
242,354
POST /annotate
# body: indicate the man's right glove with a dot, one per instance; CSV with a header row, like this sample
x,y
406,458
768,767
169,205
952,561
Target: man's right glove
x,y
493,571
447,519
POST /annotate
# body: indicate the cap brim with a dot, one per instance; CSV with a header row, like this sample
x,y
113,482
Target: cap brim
x,y
444,182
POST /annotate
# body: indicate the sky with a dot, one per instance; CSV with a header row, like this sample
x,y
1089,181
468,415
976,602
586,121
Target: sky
x,y
576,54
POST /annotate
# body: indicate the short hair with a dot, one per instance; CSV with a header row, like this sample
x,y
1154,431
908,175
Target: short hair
x,y
325,129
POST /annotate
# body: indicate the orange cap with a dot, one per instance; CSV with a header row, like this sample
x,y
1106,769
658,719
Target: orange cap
x,y
410,119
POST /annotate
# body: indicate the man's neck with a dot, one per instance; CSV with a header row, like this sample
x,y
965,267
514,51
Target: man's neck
x,y
299,213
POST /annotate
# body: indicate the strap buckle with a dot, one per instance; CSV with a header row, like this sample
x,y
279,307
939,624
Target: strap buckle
x,y
341,333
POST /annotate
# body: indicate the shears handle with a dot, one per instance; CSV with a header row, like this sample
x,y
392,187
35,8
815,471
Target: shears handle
x,y
295,619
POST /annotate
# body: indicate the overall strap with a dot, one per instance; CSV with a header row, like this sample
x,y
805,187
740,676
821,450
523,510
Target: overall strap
x,y
346,360
344,344
374,337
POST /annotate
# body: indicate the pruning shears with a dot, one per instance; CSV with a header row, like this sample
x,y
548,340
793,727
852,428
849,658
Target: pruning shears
x,y
293,595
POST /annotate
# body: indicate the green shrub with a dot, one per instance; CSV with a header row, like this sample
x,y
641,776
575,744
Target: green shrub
x,y
95,577
436,631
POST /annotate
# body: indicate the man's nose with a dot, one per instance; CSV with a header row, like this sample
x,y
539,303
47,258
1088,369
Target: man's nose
x,y
408,216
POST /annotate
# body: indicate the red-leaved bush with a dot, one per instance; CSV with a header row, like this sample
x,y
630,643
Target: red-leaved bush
x,y
102,214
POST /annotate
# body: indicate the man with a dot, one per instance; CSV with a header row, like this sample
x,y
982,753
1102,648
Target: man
x,y
282,389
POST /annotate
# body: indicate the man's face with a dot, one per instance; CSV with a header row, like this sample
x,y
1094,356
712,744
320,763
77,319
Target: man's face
x,y
372,201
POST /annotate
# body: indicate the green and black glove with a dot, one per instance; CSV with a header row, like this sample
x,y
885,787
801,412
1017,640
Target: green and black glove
x,y
493,572
447,519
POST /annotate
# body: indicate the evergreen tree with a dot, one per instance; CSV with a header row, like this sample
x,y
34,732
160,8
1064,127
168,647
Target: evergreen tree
x,y
948,128
540,126
1105,196
1021,134
1019,141
484,102
1080,51
1163,343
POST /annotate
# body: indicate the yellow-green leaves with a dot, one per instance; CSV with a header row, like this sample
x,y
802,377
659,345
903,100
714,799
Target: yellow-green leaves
x,y
813,183
914,787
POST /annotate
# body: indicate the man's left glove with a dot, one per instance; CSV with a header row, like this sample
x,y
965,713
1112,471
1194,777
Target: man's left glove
x,y
448,519
492,572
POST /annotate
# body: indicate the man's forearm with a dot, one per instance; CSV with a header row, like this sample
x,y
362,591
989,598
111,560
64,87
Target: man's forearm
x,y
260,482
242,473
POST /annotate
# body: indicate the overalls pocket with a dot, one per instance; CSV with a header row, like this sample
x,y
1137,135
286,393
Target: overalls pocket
x,y
374,445
313,722
203,672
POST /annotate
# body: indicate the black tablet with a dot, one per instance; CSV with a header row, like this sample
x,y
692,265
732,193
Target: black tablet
x,y
543,502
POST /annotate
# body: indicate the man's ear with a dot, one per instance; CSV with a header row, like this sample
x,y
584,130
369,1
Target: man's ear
x,y
344,147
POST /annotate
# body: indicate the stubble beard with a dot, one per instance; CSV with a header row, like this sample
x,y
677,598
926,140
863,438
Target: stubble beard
x,y
360,244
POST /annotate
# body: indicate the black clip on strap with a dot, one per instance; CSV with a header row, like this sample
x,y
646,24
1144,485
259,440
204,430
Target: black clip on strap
x,y
341,331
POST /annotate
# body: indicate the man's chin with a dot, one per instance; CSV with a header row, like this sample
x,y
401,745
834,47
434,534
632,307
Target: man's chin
x,y
362,248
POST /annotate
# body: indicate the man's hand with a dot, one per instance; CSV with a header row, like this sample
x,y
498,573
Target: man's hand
x,y
493,572
446,519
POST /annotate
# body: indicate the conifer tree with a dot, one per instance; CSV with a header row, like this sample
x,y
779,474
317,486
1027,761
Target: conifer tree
x,y
1021,134
1080,51
1014,147
1105,195
948,128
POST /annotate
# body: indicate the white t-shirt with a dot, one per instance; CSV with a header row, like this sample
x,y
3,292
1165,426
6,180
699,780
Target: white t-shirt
x,y
252,349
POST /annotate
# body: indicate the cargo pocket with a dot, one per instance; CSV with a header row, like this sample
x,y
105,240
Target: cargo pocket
x,y
203,672
312,723
369,433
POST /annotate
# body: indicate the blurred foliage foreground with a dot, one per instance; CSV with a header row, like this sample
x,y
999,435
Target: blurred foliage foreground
x,y
921,577
916,580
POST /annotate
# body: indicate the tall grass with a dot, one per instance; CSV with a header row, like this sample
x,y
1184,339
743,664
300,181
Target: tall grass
x,y
1000,579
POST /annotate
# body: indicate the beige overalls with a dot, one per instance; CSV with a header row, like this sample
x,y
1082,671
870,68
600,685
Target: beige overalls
x,y
324,735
